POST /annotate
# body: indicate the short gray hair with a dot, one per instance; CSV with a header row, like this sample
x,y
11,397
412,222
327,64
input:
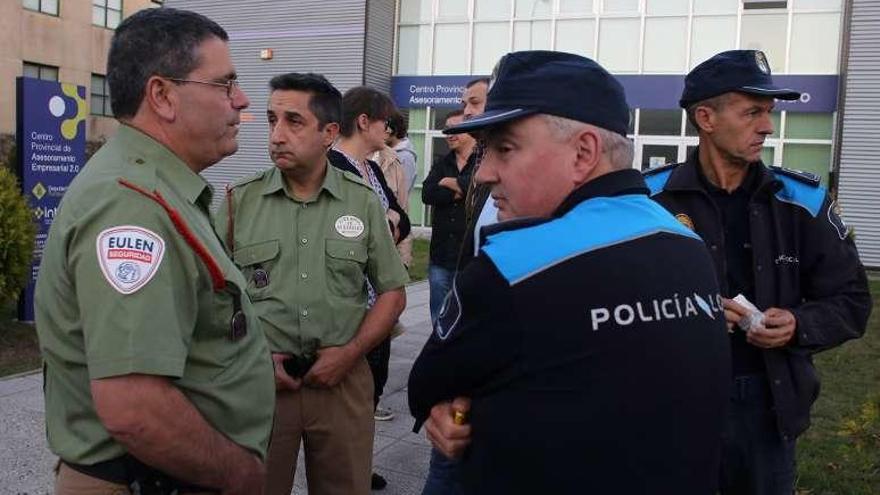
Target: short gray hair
x,y
618,149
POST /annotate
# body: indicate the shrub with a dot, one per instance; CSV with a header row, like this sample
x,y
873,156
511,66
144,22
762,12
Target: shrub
x,y
17,231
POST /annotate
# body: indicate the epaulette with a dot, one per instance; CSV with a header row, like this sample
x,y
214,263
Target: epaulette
x,y
799,175
661,168
656,177
248,179
799,188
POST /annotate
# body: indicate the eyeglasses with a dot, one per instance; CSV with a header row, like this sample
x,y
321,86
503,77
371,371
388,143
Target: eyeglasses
x,y
231,85
388,125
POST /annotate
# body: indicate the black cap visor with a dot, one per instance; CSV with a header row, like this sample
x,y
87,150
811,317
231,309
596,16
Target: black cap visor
x,y
490,118
778,93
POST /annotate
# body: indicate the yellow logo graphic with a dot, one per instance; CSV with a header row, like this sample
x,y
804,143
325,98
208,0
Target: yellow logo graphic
x,y
685,220
69,126
39,190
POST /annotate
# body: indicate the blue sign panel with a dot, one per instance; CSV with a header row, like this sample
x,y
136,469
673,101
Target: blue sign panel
x,y
642,91
51,138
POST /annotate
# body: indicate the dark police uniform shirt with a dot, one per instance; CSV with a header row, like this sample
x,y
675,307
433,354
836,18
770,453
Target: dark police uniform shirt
x,y
803,261
732,209
594,347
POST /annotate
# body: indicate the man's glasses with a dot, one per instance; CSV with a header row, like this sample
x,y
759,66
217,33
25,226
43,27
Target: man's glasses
x,y
388,125
231,85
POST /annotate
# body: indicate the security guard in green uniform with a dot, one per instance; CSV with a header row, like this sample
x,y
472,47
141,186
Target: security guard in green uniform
x,y
307,236
157,375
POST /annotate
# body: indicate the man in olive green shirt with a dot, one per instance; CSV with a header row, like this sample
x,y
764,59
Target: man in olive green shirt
x,y
307,236
156,370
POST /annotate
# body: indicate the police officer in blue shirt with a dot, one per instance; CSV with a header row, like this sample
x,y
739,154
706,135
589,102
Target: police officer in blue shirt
x,y
588,332
778,243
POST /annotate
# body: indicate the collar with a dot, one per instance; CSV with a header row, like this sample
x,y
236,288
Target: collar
x,y
616,183
688,177
143,149
274,182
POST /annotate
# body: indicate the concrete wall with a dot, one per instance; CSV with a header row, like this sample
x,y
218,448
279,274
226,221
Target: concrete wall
x,y
68,41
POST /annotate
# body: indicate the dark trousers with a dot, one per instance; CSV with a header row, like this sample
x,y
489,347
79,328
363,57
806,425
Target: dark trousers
x,y
755,460
378,360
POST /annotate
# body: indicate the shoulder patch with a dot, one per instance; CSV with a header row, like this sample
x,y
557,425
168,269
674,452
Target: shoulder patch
x,y
129,256
799,190
805,177
594,224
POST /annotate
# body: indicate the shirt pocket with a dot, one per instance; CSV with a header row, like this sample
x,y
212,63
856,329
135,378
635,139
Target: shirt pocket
x,y
345,265
256,262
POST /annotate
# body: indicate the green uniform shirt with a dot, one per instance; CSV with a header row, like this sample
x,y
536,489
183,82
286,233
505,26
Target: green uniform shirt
x,y
120,291
306,262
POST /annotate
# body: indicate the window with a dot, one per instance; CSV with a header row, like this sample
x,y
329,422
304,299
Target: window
x,y
44,6
39,71
812,54
766,33
415,11
490,43
106,13
764,4
575,36
100,96
532,35
619,44
711,35
450,50
665,44
660,122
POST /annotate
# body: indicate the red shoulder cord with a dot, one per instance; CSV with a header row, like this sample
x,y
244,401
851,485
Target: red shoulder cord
x,y
230,221
219,282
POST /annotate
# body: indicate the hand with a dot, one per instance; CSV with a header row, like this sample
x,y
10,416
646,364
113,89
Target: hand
x,y
448,437
247,478
283,381
452,184
733,313
778,329
331,367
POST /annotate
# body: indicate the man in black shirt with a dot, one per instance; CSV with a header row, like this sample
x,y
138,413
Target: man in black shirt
x,y
444,189
775,240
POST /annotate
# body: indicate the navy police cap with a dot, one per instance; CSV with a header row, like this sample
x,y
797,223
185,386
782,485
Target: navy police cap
x,y
555,83
743,71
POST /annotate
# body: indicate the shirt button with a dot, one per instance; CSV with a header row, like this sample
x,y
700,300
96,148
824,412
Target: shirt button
x,y
304,240
777,382
759,267
714,247
303,276
305,312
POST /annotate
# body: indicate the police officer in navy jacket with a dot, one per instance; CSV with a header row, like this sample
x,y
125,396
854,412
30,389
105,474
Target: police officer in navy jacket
x,y
777,241
588,333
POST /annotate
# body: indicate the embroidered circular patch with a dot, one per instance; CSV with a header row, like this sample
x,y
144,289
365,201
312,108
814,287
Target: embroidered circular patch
x,y
129,256
349,226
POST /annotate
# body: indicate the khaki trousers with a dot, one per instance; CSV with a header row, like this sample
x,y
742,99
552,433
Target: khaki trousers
x,y
336,429
69,481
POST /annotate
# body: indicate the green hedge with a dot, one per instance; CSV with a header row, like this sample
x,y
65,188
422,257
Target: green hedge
x,y
17,230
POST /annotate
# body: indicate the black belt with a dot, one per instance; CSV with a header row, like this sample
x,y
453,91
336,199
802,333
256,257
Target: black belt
x,y
140,478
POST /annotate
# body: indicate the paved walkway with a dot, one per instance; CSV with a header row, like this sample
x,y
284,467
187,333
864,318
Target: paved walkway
x,y
400,455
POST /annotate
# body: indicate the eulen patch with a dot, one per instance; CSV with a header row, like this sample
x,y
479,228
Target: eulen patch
x,y
129,256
